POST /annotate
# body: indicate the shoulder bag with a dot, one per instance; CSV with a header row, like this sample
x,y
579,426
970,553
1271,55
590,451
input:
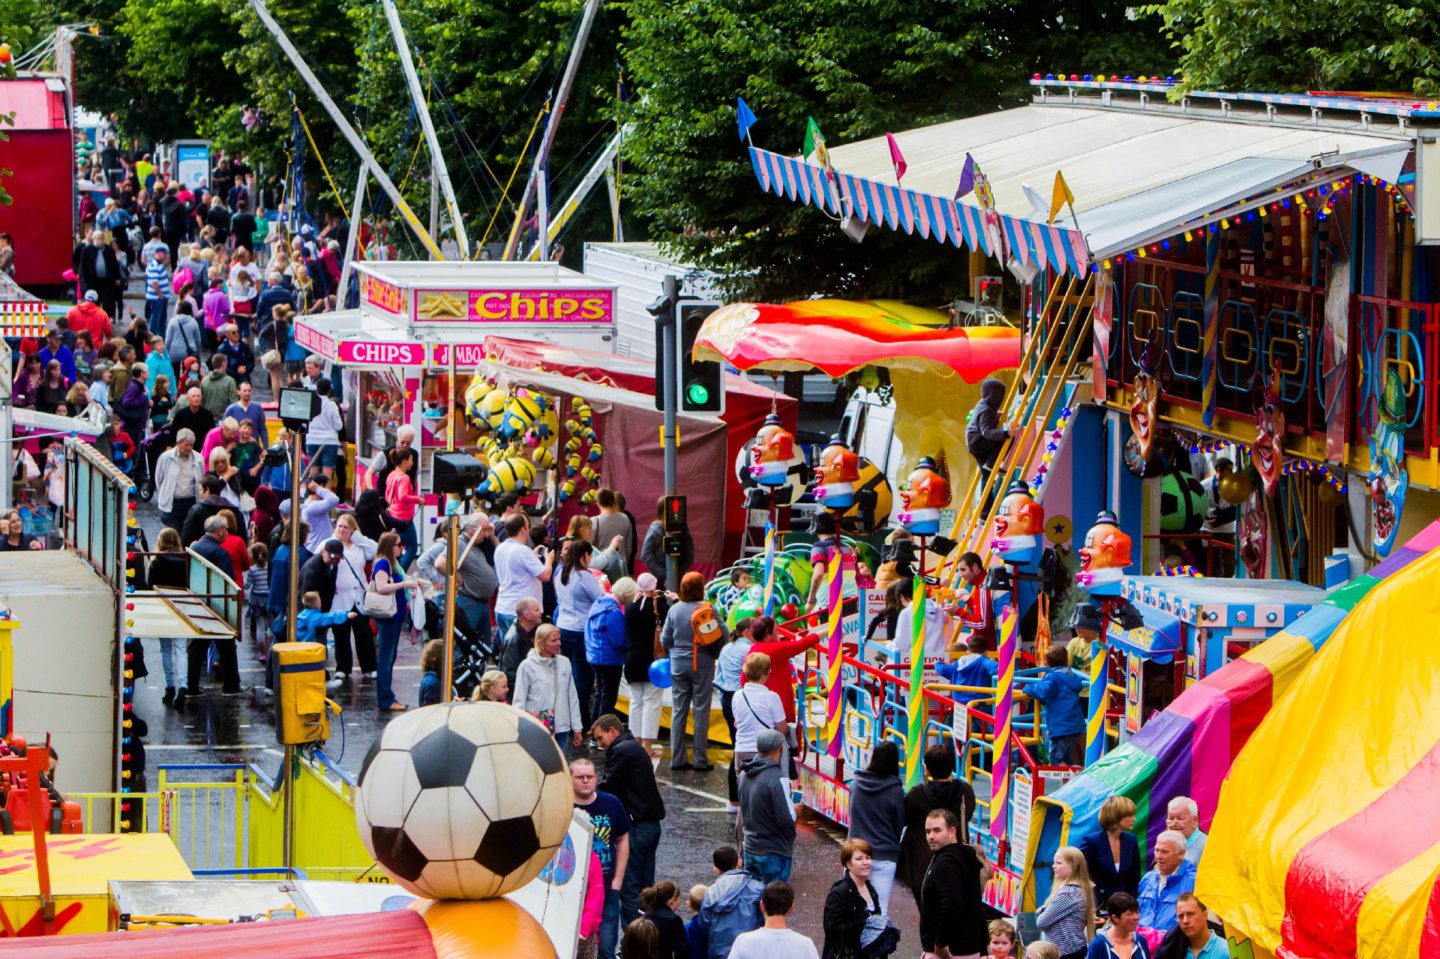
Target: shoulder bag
x,y
376,604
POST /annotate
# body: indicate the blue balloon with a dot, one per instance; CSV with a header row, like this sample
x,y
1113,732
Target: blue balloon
x,y
660,674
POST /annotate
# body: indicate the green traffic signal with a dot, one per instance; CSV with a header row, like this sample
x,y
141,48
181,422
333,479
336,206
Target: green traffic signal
x,y
697,394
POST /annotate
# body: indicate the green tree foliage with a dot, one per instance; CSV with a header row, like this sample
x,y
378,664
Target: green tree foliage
x,y
860,69
1306,44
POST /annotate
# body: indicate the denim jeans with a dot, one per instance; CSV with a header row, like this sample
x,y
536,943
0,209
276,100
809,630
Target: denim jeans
x,y
503,622
385,669
477,613
572,645
640,872
167,660
610,923
882,877
768,869
607,688
155,315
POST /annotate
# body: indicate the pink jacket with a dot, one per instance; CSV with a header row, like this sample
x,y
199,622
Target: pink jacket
x,y
594,909
217,308
400,494
214,438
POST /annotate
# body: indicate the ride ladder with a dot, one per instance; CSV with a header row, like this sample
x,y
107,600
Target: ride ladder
x,y
1041,385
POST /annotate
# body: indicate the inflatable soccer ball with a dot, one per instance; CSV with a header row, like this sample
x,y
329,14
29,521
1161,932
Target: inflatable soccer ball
x,y
464,800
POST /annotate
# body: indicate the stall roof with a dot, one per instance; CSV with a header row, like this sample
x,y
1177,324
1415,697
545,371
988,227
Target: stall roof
x,y
1137,173
450,273
1156,641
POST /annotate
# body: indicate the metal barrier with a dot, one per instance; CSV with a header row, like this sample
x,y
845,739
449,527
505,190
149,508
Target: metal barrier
x,y
208,813
101,813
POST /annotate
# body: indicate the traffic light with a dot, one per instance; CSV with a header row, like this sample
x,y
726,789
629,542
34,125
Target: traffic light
x,y
702,382
675,519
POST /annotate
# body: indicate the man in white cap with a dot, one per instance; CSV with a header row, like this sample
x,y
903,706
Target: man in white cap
x,y
88,315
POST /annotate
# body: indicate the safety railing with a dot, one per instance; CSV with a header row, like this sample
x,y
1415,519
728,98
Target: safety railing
x,y
208,814
107,812
220,592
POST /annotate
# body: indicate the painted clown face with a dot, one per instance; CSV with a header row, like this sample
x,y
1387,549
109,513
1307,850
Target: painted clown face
x,y
838,464
773,444
1019,515
1388,479
1267,451
1251,532
926,489
1144,413
1107,546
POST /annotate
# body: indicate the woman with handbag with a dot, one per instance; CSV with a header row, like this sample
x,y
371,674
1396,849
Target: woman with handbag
x,y
350,585
385,602
856,926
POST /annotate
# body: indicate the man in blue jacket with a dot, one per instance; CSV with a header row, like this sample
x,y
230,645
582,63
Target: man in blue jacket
x,y
1059,689
731,905
1162,887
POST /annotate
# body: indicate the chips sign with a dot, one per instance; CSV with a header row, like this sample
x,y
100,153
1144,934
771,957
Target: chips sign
x,y
591,306
383,295
369,353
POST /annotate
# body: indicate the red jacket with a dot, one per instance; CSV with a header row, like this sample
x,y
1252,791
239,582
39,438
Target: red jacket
x,y
782,673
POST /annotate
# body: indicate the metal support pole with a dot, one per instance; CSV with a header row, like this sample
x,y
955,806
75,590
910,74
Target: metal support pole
x,y
439,175
352,236
452,535
542,153
669,436
296,438
542,213
337,116
7,426
287,787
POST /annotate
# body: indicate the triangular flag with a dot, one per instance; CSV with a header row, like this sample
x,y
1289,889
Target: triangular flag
x,y
815,143
967,177
896,157
745,116
1061,196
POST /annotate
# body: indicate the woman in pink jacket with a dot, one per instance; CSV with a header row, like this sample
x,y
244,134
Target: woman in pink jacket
x,y
401,498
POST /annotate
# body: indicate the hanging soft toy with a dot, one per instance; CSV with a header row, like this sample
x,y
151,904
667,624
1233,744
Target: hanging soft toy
x,y
589,475
771,452
836,476
475,394
927,493
1019,523
582,412
1104,557
588,497
511,475
520,411
572,464
491,408
543,457
1268,450
595,453
567,490
573,444
1388,478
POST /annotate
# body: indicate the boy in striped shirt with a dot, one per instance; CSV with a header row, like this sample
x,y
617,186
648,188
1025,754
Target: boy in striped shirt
x,y
157,290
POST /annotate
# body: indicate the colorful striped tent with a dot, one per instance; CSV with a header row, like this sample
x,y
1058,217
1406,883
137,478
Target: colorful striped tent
x,y
1326,842
1188,749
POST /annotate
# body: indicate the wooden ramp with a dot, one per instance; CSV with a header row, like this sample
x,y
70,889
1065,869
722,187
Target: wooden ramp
x,y
176,613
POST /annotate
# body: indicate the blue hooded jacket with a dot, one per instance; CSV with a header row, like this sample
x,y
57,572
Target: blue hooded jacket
x,y
605,633
1060,692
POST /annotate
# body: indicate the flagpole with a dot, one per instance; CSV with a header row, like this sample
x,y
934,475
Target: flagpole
x,y
1073,218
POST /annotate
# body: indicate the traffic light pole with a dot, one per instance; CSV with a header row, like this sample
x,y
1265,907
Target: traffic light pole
x,y
669,356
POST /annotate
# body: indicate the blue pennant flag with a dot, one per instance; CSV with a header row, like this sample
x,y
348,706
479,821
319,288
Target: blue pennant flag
x,y
745,116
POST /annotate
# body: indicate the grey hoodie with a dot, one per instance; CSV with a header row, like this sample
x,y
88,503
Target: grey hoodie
x,y
877,813
983,437
546,688
765,809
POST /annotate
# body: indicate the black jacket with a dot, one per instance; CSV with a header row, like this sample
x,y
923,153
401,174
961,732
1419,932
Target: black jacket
x,y
199,422
640,623
673,944
630,777
951,912
207,548
1175,945
952,794
319,577
845,915
173,214
194,526
984,435
86,268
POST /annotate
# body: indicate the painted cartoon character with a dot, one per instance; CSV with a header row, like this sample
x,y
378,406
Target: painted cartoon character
x,y
839,469
1268,449
1104,557
771,453
1018,525
927,493
1144,412
1388,478
1253,537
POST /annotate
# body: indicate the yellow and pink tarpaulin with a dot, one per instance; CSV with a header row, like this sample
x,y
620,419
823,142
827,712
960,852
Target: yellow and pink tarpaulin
x,y
1326,840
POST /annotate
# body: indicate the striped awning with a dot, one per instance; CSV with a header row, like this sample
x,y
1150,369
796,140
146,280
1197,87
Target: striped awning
x,y
940,218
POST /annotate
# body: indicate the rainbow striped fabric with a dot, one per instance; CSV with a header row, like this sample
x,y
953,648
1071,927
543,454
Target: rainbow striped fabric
x,y
1188,749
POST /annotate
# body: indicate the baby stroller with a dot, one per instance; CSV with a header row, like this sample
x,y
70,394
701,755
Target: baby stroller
x,y
471,653
150,449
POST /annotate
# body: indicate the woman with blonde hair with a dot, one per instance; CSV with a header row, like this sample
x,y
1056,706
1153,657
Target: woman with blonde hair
x,y
1067,917
1113,856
